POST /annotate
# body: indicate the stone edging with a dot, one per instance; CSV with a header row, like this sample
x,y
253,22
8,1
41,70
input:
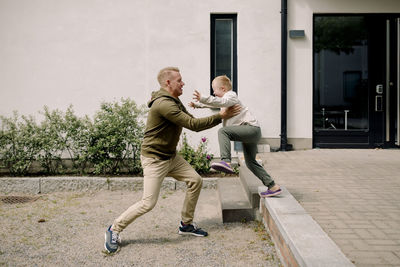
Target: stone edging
x,y
44,185
299,239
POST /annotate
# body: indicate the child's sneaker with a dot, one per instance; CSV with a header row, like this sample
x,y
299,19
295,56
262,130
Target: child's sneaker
x,y
112,240
270,193
191,229
222,166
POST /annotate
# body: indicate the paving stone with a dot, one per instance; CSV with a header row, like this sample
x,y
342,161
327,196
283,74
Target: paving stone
x,y
382,242
360,244
364,257
341,231
363,233
377,233
385,248
390,257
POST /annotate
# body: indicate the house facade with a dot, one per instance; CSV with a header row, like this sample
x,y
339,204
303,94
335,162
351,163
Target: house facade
x,y
342,61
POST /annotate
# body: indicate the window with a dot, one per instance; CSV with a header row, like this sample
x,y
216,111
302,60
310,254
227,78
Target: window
x,y
223,47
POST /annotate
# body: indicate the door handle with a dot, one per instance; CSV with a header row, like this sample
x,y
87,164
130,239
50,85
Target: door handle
x,y
379,89
378,103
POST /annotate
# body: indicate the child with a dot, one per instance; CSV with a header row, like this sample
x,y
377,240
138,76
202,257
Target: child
x,y
243,127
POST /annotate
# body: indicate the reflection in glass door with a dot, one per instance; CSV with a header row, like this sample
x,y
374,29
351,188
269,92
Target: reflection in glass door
x,y
355,80
340,79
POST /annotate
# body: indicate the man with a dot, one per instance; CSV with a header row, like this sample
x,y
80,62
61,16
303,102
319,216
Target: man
x,y
166,118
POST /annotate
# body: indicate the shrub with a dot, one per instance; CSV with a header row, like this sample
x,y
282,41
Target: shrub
x,y
77,139
108,145
52,141
63,134
116,137
19,143
199,158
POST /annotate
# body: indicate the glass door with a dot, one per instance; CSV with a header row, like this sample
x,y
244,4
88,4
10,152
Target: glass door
x,y
354,71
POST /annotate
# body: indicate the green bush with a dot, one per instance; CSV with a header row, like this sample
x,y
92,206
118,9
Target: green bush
x,y
77,139
199,158
110,144
63,134
116,137
51,135
19,143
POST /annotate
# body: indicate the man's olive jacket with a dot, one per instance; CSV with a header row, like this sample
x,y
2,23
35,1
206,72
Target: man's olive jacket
x,y
166,118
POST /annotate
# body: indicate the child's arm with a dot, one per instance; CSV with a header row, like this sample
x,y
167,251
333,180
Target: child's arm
x,y
199,105
229,99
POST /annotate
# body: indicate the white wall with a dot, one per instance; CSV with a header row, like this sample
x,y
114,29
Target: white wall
x,y
58,53
300,13
83,52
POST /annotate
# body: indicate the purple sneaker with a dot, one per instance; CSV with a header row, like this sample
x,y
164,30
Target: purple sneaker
x,y
270,193
222,166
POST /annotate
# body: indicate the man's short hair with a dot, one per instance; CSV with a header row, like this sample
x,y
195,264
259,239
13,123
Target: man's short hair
x,y
224,81
165,73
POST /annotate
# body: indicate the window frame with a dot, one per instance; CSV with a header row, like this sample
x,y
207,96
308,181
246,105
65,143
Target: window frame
x,y
213,19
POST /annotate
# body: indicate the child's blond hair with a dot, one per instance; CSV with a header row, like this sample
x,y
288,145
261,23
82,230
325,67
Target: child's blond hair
x,y
223,80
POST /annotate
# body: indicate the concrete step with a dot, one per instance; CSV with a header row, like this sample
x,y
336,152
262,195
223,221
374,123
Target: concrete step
x,y
250,184
235,205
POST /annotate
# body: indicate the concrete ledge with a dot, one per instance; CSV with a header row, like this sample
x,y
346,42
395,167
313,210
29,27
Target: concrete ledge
x,y
250,184
208,183
125,183
54,184
235,205
300,240
46,185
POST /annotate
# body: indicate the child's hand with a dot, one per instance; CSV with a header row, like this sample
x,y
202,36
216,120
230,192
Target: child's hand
x,y
196,95
191,104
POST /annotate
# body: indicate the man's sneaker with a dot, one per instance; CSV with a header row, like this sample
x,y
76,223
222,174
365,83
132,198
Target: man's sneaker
x,y
270,193
112,240
222,166
191,229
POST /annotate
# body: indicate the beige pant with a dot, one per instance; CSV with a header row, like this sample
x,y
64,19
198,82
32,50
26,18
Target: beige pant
x,y
154,172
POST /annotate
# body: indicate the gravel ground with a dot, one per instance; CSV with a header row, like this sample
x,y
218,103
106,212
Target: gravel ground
x,y
67,229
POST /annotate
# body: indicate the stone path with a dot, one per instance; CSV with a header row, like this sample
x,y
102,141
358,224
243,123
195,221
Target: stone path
x,y
354,195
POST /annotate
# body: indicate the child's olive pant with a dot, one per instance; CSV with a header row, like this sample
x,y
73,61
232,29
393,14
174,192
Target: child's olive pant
x,y
249,136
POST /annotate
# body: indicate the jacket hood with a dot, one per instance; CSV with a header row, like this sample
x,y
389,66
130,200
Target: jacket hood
x,y
158,94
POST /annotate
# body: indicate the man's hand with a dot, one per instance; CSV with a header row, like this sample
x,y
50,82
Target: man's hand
x,y
227,113
196,95
192,105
